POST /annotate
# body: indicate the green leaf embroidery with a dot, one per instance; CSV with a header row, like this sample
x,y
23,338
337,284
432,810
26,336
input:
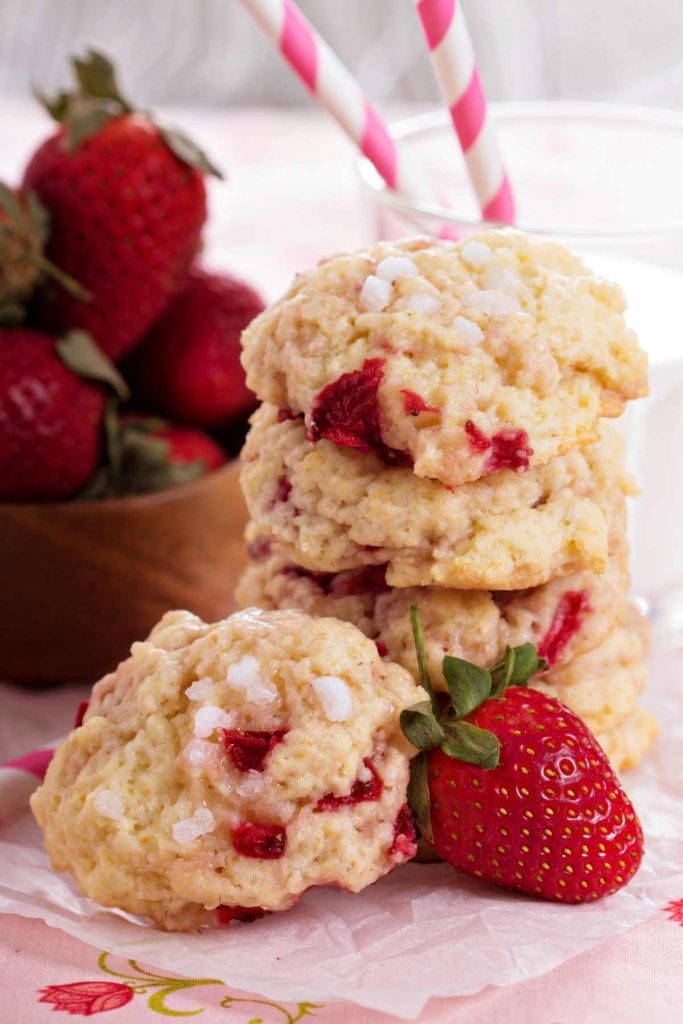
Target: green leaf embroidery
x,y
143,979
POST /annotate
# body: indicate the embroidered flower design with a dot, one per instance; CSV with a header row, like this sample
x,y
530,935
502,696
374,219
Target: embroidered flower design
x,y
86,997
674,911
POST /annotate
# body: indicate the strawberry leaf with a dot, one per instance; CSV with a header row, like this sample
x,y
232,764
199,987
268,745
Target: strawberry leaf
x,y
419,640
85,116
96,76
189,152
418,794
421,727
79,352
467,684
526,664
467,742
501,672
10,204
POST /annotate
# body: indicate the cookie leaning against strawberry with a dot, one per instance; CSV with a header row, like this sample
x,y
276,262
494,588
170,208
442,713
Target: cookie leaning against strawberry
x,y
127,204
511,786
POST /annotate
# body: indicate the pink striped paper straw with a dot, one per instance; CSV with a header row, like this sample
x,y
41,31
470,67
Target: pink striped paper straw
x,y
456,71
331,83
20,777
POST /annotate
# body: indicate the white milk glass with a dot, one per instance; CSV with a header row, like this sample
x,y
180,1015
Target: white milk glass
x,y
607,181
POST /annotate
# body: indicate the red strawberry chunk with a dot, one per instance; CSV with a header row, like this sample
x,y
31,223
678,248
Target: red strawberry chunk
x,y
382,648
566,622
369,580
346,412
80,714
479,442
361,791
260,840
509,447
286,414
404,845
283,489
259,547
414,404
249,748
226,915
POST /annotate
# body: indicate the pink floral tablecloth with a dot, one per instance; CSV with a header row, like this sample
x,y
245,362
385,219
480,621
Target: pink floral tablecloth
x,y
292,198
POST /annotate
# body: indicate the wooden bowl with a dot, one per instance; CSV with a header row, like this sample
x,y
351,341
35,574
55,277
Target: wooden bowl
x,y
80,581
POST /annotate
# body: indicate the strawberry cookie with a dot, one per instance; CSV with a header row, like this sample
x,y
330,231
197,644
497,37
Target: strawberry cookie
x,y
333,509
603,685
500,351
628,743
224,769
563,618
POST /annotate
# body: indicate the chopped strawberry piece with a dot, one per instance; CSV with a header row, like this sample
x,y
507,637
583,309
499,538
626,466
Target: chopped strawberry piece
x,y
286,414
361,791
479,442
258,548
369,580
404,845
249,749
260,840
509,447
566,623
414,404
226,915
346,412
382,648
283,489
82,708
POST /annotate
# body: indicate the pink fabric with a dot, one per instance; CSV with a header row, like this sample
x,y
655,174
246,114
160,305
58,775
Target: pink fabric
x,y
436,17
634,979
469,111
298,45
502,206
379,147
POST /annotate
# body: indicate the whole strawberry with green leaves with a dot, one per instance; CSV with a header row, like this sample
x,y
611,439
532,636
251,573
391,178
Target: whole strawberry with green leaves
x,y
513,788
127,203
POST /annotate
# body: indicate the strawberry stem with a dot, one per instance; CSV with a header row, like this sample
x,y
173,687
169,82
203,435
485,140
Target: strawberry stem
x,y
418,637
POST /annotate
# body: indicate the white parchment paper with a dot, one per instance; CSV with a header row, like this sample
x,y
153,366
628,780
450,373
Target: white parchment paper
x,y
423,931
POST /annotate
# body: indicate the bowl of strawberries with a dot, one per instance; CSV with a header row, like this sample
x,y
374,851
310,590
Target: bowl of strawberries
x,y
123,403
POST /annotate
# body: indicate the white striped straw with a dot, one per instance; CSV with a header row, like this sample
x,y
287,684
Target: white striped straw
x,y
20,777
456,71
331,83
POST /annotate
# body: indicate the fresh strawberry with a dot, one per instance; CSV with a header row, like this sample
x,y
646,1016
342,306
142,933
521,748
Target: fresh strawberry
x,y
50,420
188,367
24,225
511,786
146,454
187,446
22,236
127,203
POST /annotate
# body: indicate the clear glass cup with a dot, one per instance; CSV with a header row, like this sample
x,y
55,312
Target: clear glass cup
x,y
606,181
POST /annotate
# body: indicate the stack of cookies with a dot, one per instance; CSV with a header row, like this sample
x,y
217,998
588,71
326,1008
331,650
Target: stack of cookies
x,y
435,430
